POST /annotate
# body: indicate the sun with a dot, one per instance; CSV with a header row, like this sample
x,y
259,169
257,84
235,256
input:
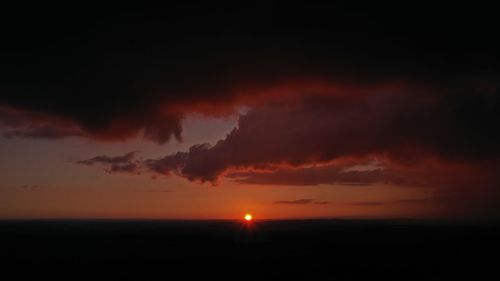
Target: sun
x,y
248,217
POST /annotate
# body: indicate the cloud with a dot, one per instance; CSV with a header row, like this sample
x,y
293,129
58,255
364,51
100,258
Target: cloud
x,y
295,202
418,201
301,202
443,140
369,203
42,132
128,73
34,187
321,202
325,129
104,159
315,175
115,164
155,191
126,168
22,124
324,96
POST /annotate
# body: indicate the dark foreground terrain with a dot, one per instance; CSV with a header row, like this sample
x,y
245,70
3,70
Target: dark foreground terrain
x,y
264,250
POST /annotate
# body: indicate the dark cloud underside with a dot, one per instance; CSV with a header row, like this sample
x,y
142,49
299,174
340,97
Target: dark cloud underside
x,y
116,73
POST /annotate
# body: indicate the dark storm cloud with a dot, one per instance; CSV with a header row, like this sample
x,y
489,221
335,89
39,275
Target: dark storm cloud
x,y
117,73
401,126
27,124
424,138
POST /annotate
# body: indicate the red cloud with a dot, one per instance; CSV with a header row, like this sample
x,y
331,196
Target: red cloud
x,y
319,129
157,127
446,141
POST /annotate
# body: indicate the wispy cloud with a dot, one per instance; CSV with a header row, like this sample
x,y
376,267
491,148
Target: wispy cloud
x,y
115,164
301,202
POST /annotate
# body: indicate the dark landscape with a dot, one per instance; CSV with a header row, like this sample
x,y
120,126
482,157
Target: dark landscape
x,y
264,250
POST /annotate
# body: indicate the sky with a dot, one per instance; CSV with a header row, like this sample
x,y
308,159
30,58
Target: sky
x,y
282,110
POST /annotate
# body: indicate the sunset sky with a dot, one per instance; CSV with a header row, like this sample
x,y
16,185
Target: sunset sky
x,y
197,111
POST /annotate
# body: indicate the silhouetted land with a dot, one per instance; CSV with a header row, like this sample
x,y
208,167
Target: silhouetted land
x,y
266,250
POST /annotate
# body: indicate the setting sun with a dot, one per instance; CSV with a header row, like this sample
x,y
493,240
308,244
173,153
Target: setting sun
x,y
248,217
